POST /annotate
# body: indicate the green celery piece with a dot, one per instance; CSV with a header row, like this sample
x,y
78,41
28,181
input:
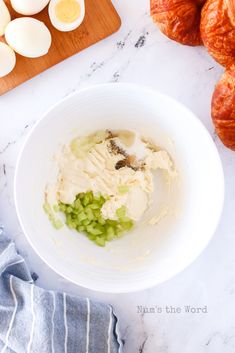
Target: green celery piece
x,y
85,216
91,236
110,231
93,231
124,219
68,217
123,189
58,224
101,228
90,196
111,222
69,209
69,224
101,220
127,225
94,206
85,201
62,207
77,204
81,195
100,241
89,214
81,216
96,213
86,222
56,208
110,237
51,217
47,208
121,212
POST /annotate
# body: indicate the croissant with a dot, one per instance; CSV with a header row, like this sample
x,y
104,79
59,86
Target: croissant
x,y
218,35
211,22
218,30
223,108
178,19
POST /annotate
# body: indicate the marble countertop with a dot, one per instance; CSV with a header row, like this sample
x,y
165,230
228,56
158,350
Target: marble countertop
x,y
153,320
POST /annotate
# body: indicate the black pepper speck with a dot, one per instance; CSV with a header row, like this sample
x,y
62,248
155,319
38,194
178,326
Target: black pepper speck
x,y
140,42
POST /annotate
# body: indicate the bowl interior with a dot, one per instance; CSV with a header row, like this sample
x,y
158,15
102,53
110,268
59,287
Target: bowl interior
x,y
149,254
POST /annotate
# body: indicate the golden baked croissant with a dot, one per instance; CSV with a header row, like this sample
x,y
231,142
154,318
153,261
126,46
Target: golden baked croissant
x,y
218,35
178,19
212,22
218,30
223,108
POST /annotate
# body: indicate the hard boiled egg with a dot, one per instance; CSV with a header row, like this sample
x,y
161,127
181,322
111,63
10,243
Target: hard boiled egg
x,y
66,15
4,17
7,59
28,37
29,7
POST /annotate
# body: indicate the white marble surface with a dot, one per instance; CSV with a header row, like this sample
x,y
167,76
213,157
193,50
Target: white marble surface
x,y
138,53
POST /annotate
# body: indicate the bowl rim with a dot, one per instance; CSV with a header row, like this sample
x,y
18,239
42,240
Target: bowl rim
x,y
144,89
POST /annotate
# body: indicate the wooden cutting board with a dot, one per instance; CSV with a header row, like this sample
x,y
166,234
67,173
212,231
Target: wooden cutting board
x,y
101,20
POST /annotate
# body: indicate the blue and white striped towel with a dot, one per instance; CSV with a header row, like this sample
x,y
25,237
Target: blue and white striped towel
x,y
33,320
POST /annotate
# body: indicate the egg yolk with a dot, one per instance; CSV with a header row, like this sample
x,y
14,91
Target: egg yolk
x,y
67,11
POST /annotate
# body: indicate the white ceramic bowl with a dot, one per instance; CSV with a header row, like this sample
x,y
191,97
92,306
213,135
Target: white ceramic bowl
x,y
148,255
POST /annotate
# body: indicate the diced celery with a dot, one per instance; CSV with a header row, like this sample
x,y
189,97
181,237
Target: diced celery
x,y
85,201
96,213
90,196
62,207
84,215
110,237
101,220
127,225
56,208
89,214
68,218
81,216
77,204
124,219
100,241
110,230
94,206
123,189
47,208
91,236
57,223
81,195
111,222
121,212
51,217
85,222
90,229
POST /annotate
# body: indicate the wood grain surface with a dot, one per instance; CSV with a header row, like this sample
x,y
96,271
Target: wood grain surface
x,y
101,20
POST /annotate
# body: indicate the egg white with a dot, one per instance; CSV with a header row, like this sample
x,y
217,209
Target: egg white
x,y
29,7
28,37
7,59
5,17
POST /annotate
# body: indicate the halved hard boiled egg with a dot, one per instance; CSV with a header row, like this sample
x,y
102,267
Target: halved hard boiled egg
x,y
7,59
28,37
5,17
66,15
29,7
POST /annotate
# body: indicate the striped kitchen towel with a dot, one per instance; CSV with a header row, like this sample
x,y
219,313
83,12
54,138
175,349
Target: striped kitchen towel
x,y
33,320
